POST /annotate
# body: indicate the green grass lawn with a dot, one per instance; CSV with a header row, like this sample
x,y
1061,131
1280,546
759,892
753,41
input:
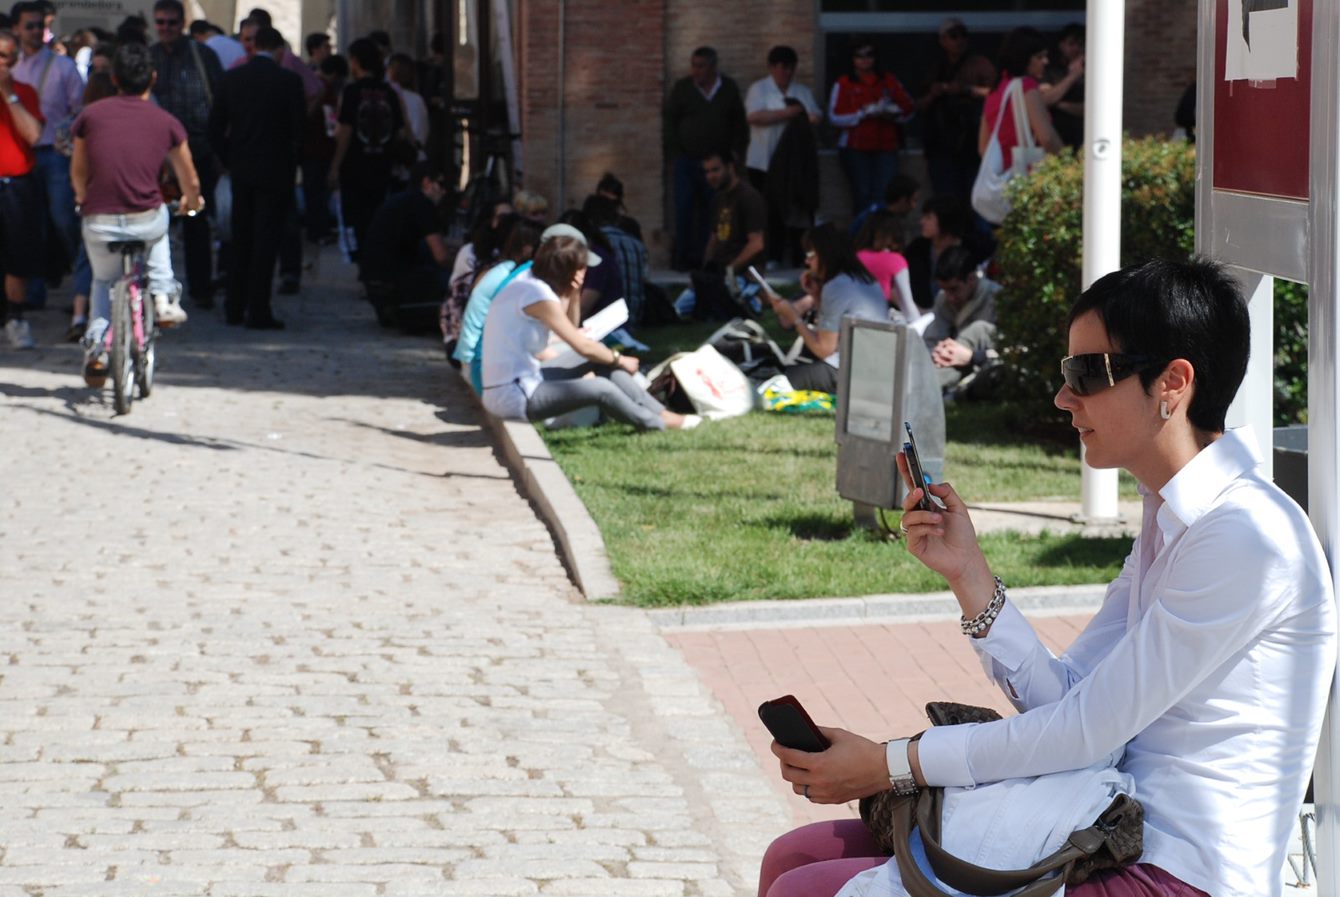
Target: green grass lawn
x,y
747,509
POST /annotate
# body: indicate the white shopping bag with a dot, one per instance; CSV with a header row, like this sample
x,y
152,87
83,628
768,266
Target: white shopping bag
x,y
716,387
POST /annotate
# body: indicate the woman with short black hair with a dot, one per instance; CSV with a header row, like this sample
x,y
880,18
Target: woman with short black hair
x,y
1206,671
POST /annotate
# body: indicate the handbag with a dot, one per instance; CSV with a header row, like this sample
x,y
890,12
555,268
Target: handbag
x,y
711,383
1115,839
988,190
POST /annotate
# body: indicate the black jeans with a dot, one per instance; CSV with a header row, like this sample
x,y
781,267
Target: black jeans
x,y
196,232
259,217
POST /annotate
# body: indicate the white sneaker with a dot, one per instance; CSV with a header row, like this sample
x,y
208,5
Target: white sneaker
x,y
20,334
168,311
691,421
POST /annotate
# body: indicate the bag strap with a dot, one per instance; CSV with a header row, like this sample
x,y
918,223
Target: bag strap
x,y
46,68
1000,113
1023,131
974,879
200,67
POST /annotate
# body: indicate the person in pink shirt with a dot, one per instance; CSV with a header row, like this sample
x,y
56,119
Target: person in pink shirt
x,y
1023,55
877,245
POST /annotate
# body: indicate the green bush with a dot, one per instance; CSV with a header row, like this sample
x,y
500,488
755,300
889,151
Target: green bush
x,y
1040,252
1040,267
1290,352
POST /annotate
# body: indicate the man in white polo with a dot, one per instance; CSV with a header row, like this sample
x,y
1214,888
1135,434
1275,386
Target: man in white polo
x,y
768,113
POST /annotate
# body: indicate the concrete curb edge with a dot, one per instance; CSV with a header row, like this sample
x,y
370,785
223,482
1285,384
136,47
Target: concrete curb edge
x,y
549,490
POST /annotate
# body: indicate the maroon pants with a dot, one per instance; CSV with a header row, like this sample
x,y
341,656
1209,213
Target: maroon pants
x,y
816,860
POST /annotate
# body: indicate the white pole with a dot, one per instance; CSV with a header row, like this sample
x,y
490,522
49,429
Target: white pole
x,y
1254,404
1104,46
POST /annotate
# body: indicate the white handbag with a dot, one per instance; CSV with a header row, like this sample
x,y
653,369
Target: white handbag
x,y
716,387
988,190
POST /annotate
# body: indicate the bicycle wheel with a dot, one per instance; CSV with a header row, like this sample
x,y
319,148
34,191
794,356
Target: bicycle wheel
x,y
122,354
144,358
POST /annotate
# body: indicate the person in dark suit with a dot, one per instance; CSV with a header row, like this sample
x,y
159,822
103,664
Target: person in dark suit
x,y
256,127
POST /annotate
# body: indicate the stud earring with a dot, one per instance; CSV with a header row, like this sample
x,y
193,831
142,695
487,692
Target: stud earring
x,y
1164,412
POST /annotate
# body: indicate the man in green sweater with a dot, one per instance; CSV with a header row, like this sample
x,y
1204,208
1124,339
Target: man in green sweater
x,y
704,112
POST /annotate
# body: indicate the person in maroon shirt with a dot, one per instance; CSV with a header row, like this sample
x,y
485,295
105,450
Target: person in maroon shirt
x,y
119,147
21,204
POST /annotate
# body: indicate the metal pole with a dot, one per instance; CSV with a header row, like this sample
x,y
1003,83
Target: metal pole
x,y
1323,392
1104,47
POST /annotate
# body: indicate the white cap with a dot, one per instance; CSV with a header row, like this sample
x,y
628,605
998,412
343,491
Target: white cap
x,y
567,230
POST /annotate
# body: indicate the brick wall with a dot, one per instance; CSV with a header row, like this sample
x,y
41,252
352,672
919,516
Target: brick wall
x,y
1160,63
620,61
614,79
622,58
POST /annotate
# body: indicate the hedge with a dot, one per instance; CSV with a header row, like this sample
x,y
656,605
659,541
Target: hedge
x,y
1040,266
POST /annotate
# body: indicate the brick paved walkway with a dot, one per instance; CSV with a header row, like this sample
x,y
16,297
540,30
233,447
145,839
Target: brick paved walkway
x,y
873,679
288,629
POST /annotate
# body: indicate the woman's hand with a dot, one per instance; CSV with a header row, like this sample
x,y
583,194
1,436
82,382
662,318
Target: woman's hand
x,y
628,363
852,767
943,540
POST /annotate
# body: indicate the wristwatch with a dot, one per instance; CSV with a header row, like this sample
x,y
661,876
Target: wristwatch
x,y
900,767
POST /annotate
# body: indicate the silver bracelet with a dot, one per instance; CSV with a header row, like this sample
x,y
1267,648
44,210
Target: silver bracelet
x,y
982,622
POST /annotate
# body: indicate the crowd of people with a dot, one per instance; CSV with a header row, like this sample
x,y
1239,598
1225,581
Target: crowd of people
x,y
102,130
745,181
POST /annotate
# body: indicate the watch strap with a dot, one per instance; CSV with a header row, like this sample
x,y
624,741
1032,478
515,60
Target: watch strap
x,y
900,767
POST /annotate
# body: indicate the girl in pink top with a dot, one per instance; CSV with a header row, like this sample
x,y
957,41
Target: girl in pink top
x,y
877,247
1024,52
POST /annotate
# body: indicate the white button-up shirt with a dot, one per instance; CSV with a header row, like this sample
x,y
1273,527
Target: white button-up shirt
x,y
765,95
1210,659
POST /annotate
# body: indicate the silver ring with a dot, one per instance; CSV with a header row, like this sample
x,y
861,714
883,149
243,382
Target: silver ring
x,y
901,528
805,792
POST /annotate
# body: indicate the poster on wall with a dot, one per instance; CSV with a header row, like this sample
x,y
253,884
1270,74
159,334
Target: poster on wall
x,y
1262,97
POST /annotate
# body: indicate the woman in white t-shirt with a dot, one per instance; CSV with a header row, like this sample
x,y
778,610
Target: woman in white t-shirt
x,y
545,300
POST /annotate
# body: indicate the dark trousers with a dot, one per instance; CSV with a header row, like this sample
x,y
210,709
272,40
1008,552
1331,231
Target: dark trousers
x,y
290,246
196,232
259,216
693,203
358,201
868,173
316,199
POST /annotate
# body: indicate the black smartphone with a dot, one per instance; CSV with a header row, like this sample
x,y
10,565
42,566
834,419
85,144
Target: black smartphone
x,y
791,725
919,478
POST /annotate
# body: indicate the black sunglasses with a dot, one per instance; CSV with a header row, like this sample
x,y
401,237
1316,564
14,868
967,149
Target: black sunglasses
x,y
167,22
1096,371
33,26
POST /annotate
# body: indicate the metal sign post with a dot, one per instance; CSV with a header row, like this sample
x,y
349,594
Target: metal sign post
x,y
1323,387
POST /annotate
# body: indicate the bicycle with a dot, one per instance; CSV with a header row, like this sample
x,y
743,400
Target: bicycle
x,y
129,340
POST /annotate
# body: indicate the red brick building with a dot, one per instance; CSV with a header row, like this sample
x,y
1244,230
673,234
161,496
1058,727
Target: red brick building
x,y
592,74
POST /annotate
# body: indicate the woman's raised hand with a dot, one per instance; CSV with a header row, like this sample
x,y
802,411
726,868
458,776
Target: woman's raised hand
x,y
944,539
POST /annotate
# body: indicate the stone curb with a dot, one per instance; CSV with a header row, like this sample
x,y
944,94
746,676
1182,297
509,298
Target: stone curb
x,y
543,482
906,608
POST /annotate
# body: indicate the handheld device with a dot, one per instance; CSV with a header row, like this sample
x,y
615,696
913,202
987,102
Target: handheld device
x,y
919,478
791,725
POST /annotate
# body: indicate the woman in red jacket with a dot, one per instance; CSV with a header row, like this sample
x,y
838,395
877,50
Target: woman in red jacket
x,y
867,105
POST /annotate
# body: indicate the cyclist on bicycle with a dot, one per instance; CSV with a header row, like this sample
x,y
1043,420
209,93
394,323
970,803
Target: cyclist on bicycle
x,y
119,147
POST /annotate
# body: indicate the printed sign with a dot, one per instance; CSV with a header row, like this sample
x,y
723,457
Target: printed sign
x,y
1262,96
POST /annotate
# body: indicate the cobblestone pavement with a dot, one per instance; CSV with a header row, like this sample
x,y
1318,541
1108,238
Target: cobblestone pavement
x,y
287,629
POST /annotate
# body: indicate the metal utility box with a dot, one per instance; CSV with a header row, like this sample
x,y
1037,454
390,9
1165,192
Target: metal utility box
x,y
886,378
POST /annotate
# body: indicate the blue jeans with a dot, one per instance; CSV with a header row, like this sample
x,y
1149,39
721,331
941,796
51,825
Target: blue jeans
x,y
869,173
99,231
53,173
693,202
